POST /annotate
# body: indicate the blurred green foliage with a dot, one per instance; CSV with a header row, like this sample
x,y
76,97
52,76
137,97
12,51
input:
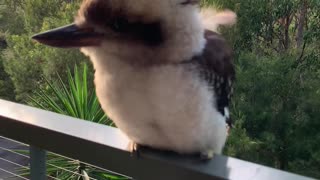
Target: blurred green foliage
x,y
75,99
277,93
277,53
25,61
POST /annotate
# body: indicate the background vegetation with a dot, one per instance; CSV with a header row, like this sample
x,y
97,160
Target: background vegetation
x,y
277,56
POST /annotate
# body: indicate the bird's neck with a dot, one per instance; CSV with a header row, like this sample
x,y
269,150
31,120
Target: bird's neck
x,y
185,37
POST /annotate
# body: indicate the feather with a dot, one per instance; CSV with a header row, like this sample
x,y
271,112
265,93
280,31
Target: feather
x,y
217,70
212,19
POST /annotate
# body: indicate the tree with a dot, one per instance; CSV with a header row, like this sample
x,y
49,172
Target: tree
x,y
26,61
277,89
277,58
6,86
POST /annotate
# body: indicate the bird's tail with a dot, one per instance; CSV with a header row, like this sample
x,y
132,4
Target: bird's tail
x,y
212,19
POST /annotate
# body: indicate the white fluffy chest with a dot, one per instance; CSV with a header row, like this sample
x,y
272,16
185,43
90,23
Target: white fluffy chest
x,y
164,107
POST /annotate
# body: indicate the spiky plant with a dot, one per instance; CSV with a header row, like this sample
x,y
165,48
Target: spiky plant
x,y
75,99
72,99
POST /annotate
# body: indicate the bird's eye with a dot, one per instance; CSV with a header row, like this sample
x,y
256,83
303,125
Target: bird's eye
x,y
120,25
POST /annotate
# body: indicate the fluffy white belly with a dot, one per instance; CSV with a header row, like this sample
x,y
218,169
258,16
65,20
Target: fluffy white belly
x,y
164,107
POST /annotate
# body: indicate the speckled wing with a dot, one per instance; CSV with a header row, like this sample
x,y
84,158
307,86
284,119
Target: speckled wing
x,y
217,69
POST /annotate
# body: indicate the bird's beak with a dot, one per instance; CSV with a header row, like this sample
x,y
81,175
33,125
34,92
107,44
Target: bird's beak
x,y
70,36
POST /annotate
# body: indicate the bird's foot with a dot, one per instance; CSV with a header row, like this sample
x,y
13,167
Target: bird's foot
x,y
207,155
135,149
228,130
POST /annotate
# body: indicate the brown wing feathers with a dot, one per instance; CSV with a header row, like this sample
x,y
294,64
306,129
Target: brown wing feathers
x,y
216,68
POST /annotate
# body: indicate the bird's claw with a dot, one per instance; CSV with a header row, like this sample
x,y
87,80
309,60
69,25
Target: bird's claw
x,y
135,149
228,130
207,155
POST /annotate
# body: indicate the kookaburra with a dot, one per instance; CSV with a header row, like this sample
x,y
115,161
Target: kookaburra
x,y
162,77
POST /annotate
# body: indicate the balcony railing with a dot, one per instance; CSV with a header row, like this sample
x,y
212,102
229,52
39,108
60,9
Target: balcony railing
x,y
107,148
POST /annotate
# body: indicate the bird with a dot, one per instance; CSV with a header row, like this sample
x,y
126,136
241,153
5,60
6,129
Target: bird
x,y
163,78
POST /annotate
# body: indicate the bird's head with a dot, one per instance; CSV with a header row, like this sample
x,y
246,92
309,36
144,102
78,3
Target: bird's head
x,y
132,28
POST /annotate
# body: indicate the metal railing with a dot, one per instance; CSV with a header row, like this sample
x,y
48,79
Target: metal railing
x,y
108,148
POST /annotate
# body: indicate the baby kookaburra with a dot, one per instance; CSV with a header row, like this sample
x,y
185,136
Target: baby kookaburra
x,y
159,75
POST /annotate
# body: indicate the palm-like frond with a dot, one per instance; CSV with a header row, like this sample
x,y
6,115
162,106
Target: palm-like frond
x,y
72,99
75,99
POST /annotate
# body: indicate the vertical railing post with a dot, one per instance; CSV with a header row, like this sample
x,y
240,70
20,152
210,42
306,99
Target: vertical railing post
x,y
37,163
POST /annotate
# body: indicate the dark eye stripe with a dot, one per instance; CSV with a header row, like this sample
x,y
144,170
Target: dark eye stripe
x,y
101,14
149,33
120,25
187,2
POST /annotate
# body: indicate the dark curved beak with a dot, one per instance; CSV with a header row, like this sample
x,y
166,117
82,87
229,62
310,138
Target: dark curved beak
x,y
70,36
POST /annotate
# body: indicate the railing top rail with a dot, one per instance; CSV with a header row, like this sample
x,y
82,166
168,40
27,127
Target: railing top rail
x,y
107,148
